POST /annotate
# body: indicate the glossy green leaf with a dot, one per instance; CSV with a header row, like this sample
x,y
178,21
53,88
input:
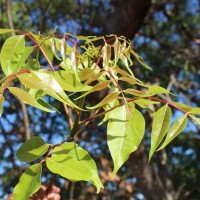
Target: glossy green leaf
x,y
11,53
195,111
32,149
106,53
124,133
3,31
46,82
175,130
110,97
158,90
74,163
1,103
161,123
140,60
25,97
29,183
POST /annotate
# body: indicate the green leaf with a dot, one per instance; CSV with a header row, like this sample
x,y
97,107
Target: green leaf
x,y
68,82
32,64
3,31
29,183
124,133
99,86
134,92
26,98
140,60
144,103
110,97
106,53
155,89
128,80
196,120
32,149
161,123
63,49
117,50
11,53
74,163
195,111
175,130
46,82
183,106
1,103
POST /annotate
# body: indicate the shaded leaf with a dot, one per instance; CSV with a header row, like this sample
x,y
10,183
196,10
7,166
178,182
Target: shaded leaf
x,y
99,86
29,183
74,163
110,97
175,130
144,103
183,106
25,97
32,149
124,133
140,60
196,120
1,103
11,53
161,123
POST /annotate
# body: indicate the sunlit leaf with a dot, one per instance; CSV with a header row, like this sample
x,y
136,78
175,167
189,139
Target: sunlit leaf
x,y
29,183
175,130
106,53
124,133
25,97
110,97
158,90
63,48
183,106
32,149
161,123
195,111
11,53
3,31
196,120
143,103
74,163
117,49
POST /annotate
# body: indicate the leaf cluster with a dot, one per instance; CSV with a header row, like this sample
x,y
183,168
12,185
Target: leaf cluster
x,y
77,67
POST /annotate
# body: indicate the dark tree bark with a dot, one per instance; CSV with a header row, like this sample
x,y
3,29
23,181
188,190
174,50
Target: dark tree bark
x,y
127,17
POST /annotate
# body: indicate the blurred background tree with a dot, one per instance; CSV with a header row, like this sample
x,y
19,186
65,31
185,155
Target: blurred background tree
x,y
167,35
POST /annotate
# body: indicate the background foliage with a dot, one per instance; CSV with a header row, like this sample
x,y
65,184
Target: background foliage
x,y
166,34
